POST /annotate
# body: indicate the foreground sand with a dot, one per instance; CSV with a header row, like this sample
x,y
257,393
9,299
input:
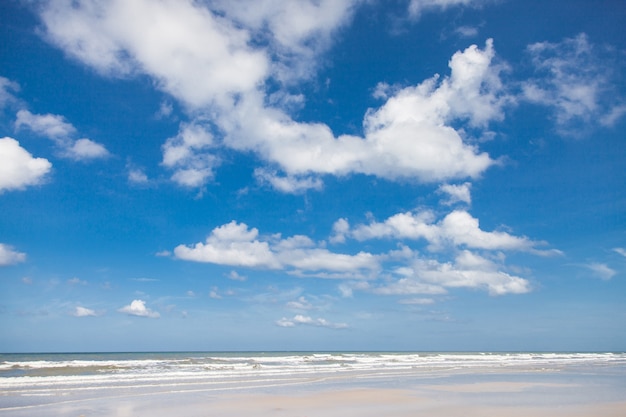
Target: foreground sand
x,y
499,397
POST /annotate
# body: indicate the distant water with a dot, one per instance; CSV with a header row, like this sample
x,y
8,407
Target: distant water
x,y
145,366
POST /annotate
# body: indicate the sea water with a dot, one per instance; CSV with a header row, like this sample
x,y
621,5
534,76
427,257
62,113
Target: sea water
x,y
34,380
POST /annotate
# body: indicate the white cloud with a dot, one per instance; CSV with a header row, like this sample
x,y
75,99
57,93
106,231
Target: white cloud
x,y
575,82
417,7
57,129
621,251
138,308
300,304
287,184
6,88
466,31
235,244
197,56
340,228
137,176
165,110
297,31
84,312
457,193
469,270
231,244
210,63
306,320
214,294
458,228
417,301
407,137
84,149
601,270
18,168
9,256
76,281
189,155
48,125
235,276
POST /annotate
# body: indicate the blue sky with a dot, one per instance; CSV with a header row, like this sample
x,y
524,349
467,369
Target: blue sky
x,y
312,175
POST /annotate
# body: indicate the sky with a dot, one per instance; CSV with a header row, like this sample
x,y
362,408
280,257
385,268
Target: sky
x,y
410,175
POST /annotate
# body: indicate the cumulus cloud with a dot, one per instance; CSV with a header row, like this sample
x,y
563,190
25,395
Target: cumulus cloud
x,y
231,244
237,245
299,319
18,168
56,128
84,312
84,149
48,125
576,83
468,270
458,233
218,62
407,137
197,56
9,256
138,308
457,229
297,31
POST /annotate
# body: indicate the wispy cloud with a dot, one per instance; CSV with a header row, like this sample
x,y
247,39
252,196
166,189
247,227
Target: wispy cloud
x,y
417,7
56,128
299,320
84,312
576,82
457,193
7,90
601,270
621,251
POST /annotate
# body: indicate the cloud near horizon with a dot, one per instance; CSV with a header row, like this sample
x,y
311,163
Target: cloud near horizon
x,y
84,312
458,234
299,320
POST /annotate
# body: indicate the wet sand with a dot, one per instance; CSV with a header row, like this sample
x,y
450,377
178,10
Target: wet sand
x,y
499,398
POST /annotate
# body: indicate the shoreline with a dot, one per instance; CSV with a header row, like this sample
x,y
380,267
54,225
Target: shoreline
x,y
314,385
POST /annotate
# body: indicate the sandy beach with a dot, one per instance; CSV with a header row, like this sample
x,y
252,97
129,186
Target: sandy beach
x,y
316,385
484,401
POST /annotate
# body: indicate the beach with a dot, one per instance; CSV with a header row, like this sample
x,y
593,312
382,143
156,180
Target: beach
x,y
314,384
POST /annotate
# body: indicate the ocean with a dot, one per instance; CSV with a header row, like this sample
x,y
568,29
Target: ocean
x,y
39,379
